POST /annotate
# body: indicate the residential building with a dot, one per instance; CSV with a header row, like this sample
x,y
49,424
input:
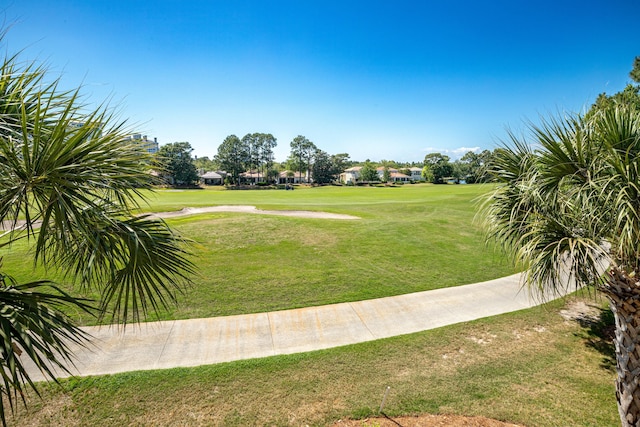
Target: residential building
x,y
416,174
212,178
351,175
289,177
150,146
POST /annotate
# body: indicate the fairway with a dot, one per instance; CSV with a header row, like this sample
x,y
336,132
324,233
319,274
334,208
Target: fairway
x,y
409,238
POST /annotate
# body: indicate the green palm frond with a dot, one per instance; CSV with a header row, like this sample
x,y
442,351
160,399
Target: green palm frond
x,y
33,325
72,177
571,204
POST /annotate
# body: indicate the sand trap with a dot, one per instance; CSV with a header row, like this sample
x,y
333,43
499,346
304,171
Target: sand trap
x,y
251,210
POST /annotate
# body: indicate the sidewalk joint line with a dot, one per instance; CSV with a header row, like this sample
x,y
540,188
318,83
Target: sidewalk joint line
x,y
361,319
166,340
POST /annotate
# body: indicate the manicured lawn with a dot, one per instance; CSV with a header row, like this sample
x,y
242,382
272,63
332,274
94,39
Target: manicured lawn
x,y
411,238
531,367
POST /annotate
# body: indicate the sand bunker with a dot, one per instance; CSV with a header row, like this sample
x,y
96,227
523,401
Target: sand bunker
x,y
251,210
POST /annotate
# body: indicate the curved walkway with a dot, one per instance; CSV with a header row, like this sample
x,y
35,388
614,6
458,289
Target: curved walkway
x,y
183,343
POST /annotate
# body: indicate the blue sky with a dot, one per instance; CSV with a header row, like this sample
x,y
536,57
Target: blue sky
x,y
376,79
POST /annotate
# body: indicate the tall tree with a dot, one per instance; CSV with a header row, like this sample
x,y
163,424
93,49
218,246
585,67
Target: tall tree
x,y
368,172
635,71
439,166
303,150
204,164
267,143
326,168
386,174
233,157
175,159
69,186
341,160
476,166
250,142
567,210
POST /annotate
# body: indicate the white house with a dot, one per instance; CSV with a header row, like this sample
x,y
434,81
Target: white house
x,y
211,178
351,175
289,177
416,174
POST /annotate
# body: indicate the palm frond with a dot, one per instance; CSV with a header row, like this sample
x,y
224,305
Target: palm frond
x,y
33,326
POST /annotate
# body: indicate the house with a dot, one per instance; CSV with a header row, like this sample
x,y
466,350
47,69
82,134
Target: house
x,y
351,175
380,171
289,177
399,177
150,147
394,175
212,178
416,174
251,178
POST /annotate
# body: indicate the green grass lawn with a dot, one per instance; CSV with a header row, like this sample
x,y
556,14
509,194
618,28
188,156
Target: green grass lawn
x,y
409,238
530,367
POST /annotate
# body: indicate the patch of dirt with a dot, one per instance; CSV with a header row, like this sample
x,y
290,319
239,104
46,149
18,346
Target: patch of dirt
x,y
426,420
581,311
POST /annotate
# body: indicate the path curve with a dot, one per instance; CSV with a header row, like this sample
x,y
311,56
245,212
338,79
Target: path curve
x,y
194,342
251,210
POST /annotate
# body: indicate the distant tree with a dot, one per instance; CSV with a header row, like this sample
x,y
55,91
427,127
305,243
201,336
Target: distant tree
x,y
204,164
440,167
427,174
303,150
323,168
266,144
341,161
368,172
629,96
635,72
460,171
250,143
175,160
272,175
327,168
232,157
476,166
386,175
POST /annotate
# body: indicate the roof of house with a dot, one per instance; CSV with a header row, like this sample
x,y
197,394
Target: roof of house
x,y
211,175
398,175
354,169
251,174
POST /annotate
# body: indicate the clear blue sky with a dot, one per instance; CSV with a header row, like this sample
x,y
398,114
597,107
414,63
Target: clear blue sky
x,y
376,79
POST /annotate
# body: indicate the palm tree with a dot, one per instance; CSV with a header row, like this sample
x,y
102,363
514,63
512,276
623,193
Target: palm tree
x,y
70,183
568,209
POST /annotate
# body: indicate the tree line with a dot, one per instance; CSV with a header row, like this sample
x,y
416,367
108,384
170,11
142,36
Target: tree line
x,y
253,153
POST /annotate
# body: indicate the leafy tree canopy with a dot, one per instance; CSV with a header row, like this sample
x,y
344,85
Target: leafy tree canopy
x,y
175,160
368,172
439,166
232,157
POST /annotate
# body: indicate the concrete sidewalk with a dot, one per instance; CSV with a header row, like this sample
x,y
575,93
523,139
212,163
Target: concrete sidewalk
x,y
194,342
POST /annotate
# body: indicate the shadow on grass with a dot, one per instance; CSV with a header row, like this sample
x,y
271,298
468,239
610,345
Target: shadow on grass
x,y
599,332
